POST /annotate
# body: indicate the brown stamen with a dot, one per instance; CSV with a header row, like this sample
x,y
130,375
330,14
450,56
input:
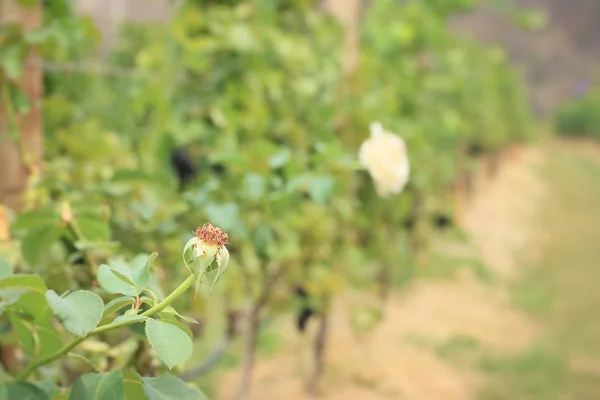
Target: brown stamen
x,y
212,235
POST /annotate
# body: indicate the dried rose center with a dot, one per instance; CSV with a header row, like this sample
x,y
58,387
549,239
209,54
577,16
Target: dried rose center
x,y
212,235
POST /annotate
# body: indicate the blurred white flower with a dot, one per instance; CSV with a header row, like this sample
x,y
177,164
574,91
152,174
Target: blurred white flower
x,y
384,156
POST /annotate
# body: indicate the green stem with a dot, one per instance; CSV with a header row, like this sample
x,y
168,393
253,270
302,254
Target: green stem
x,y
80,236
108,327
172,297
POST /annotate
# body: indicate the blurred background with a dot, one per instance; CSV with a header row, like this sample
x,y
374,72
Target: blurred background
x,y
144,119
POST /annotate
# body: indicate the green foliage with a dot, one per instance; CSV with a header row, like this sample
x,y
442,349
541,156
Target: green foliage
x,y
78,312
172,344
99,386
580,117
254,90
532,20
168,387
129,385
126,278
22,390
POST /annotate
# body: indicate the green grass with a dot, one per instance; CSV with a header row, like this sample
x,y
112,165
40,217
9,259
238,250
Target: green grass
x,y
459,348
444,266
268,342
537,373
562,290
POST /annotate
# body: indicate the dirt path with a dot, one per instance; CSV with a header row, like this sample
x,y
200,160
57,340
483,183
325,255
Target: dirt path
x,y
391,364
560,288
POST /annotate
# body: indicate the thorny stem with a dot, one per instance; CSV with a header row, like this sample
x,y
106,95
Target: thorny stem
x,y
190,280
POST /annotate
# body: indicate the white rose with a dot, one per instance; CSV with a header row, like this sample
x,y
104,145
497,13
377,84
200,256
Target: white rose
x,y
384,156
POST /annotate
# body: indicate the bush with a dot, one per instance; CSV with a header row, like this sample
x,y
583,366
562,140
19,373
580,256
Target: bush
x,y
579,117
254,92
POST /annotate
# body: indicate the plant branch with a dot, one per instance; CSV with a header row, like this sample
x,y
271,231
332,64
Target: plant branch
x,y
219,351
80,236
319,349
211,362
108,327
252,331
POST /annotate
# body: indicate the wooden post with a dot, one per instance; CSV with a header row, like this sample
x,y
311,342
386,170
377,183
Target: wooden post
x,y
349,13
462,187
21,158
